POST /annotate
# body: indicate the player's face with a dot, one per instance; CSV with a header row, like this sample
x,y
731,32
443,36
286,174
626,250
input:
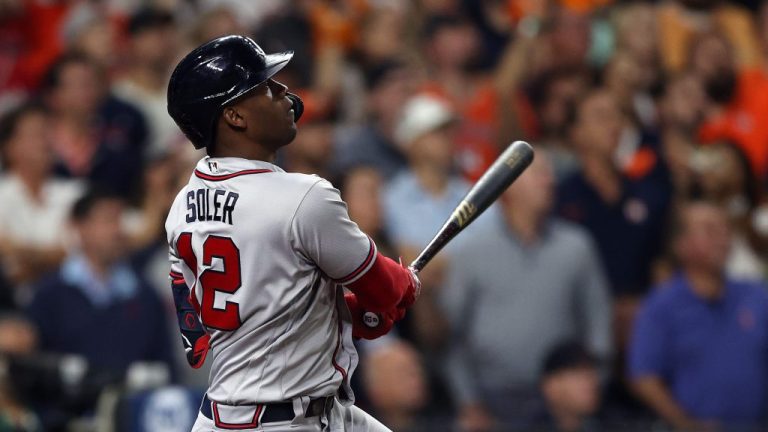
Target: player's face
x,y
268,115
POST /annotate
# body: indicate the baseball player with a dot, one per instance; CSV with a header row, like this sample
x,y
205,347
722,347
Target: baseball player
x,y
260,257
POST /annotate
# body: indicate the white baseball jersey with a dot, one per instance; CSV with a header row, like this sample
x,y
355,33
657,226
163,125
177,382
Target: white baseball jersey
x,y
264,253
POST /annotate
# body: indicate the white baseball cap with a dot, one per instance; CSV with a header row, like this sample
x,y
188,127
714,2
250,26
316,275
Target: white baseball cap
x,y
420,115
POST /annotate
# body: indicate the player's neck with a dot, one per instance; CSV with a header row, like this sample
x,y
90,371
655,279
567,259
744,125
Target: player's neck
x,y
246,151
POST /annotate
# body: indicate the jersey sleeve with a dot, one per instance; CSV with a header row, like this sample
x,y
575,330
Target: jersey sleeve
x,y
324,234
193,335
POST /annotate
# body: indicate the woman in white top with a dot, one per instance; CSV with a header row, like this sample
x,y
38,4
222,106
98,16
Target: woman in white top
x,y
34,206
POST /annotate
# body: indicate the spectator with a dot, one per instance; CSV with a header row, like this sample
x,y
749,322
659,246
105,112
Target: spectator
x,y
95,304
451,45
681,110
215,22
725,178
569,38
389,85
429,189
385,35
90,31
636,152
699,352
35,204
396,385
736,100
623,79
39,24
679,21
95,136
552,95
625,216
637,35
570,385
503,293
152,44
361,189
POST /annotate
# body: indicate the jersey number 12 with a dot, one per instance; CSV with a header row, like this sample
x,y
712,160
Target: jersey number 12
x,y
226,280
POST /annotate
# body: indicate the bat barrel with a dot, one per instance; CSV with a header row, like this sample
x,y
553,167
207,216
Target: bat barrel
x,y
507,167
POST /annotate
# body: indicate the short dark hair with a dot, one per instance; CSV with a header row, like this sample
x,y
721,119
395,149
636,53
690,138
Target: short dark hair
x,y
678,224
379,72
94,196
149,18
10,120
52,76
436,23
566,356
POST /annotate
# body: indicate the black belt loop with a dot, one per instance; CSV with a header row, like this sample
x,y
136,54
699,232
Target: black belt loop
x,y
278,411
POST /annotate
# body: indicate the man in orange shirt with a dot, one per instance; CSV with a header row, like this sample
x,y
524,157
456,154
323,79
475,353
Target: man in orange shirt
x,y
738,100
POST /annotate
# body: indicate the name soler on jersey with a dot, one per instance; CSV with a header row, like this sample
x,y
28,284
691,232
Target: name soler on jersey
x,y
211,205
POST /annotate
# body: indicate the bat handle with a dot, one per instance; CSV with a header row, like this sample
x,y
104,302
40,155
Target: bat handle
x,y
418,264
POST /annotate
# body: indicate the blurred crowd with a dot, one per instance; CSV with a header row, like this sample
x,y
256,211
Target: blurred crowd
x,y
619,284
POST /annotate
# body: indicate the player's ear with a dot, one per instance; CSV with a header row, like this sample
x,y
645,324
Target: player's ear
x,y
233,117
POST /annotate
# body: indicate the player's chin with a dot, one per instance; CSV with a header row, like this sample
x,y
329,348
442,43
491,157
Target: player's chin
x,y
289,134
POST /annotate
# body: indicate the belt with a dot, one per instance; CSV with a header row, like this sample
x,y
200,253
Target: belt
x,y
274,412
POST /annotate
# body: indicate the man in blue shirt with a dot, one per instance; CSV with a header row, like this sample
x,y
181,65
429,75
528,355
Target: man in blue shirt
x,y
96,304
699,352
419,199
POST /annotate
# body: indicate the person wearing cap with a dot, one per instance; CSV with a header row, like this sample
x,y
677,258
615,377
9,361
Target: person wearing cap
x,y
419,200
429,188
522,284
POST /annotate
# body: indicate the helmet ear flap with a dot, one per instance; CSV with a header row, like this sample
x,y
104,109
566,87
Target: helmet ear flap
x,y
298,105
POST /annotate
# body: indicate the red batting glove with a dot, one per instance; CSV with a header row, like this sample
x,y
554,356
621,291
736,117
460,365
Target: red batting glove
x,y
413,290
369,325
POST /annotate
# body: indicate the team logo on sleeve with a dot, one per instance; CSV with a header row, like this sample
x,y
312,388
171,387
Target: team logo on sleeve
x,y
371,320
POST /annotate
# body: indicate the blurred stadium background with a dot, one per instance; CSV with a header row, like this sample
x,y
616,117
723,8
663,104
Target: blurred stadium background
x,y
619,285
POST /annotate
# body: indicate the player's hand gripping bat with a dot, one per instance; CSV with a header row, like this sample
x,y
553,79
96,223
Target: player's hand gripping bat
x,y
509,165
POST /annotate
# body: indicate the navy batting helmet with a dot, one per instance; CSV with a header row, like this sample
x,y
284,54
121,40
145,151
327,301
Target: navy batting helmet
x,y
215,74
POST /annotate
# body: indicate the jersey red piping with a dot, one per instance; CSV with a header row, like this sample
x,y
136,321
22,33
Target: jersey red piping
x,y
363,266
176,278
211,177
336,350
